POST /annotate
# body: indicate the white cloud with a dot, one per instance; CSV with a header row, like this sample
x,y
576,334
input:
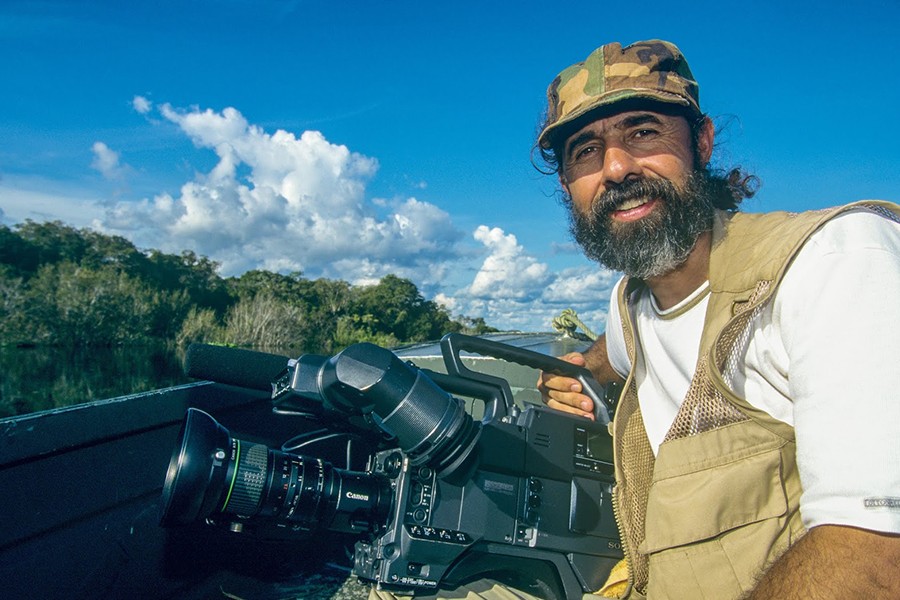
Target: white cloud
x,y
581,286
447,302
281,202
513,290
106,161
586,290
508,271
141,105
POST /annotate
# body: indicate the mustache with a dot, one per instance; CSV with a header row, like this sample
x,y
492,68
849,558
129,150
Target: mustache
x,y
633,189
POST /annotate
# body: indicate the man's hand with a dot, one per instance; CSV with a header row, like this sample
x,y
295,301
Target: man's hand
x,y
565,393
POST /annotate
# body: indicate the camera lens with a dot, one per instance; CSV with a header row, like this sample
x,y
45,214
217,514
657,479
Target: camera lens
x,y
212,473
430,426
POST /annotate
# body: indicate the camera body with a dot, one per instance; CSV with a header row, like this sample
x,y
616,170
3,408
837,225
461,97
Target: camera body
x,y
519,496
539,502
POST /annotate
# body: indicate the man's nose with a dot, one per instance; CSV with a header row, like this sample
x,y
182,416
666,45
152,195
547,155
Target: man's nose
x,y
619,165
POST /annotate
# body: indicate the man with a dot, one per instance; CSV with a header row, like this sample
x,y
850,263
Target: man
x,y
757,438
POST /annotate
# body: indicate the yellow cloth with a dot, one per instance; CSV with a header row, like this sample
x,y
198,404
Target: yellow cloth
x,y
616,583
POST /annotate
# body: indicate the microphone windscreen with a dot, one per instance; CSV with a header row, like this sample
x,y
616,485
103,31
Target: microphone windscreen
x,y
233,366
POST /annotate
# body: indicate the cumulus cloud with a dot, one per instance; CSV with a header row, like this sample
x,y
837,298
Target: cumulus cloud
x,y
584,289
508,271
286,203
580,286
517,291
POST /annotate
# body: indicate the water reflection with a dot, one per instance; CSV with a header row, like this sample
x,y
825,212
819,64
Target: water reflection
x,y
33,379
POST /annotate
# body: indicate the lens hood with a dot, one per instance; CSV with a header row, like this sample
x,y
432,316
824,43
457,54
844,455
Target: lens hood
x,y
196,470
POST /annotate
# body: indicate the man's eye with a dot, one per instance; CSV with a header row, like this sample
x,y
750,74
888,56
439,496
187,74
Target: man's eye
x,y
644,133
585,151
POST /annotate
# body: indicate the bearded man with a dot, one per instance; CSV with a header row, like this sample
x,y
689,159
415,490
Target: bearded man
x,y
757,437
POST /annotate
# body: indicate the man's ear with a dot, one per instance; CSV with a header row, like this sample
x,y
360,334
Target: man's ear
x,y
562,182
705,140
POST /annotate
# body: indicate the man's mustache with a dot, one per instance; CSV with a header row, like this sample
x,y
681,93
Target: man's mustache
x,y
633,189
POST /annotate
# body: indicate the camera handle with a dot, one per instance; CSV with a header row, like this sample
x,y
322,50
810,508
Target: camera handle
x,y
454,343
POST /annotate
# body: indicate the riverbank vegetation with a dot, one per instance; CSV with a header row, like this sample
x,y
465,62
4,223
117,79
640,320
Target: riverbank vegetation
x,y
67,287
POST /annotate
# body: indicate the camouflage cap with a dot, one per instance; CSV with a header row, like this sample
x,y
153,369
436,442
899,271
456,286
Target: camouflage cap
x,y
653,70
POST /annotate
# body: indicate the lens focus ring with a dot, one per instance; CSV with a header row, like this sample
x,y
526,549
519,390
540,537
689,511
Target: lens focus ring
x,y
249,481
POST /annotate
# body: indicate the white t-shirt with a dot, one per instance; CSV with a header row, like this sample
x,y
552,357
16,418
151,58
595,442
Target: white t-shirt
x,y
824,357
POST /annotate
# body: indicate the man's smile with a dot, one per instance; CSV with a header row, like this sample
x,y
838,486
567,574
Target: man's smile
x,y
632,210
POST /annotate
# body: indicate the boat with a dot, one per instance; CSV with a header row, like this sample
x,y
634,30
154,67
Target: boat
x,y
81,495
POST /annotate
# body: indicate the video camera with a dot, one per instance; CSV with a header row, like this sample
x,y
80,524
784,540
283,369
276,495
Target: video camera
x,y
519,496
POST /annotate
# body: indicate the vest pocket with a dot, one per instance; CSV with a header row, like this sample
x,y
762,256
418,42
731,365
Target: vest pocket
x,y
712,523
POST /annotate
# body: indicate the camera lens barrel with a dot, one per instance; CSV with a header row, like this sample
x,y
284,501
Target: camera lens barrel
x,y
248,479
212,473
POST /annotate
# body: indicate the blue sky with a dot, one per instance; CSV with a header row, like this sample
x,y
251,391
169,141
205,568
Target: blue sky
x,y
354,139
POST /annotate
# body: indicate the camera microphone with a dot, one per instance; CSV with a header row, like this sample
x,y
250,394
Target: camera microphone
x,y
232,366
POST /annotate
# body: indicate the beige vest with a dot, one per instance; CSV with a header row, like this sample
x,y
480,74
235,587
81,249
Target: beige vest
x,y
720,501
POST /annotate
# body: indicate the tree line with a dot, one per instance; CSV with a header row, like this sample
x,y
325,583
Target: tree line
x,y
63,286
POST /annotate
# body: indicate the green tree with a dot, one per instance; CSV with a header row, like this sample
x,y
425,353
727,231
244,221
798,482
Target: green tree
x,y
12,306
352,329
112,250
394,307
284,287
51,243
475,326
200,326
61,285
77,306
16,253
327,301
320,304
196,275
264,321
169,310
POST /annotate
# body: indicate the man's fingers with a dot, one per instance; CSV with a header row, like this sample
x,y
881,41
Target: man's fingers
x,y
564,393
576,400
563,407
576,358
549,383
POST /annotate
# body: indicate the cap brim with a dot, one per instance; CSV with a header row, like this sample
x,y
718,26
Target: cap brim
x,y
607,104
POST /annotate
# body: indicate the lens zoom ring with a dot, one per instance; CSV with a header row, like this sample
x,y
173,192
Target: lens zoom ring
x,y
250,480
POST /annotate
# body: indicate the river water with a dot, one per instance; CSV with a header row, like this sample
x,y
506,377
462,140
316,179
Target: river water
x,y
33,379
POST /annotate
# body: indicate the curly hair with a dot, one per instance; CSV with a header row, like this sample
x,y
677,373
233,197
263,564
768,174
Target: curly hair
x,y
731,186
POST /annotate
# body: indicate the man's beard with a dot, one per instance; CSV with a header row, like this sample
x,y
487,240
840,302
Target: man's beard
x,y
654,245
